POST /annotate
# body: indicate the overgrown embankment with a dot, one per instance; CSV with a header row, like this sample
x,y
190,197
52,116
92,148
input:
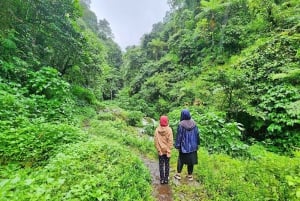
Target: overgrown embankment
x,y
106,165
97,168
218,176
255,175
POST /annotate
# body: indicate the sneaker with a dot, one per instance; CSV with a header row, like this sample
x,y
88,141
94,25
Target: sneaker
x,y
162,181
166,181
177,176
190,177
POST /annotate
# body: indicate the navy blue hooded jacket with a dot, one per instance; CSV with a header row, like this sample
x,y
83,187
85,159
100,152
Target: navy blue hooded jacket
x,y
187,139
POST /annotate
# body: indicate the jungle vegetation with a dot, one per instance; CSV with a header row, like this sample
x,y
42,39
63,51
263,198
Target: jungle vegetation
x,y
72,102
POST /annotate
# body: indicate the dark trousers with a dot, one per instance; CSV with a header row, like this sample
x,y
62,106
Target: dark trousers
x,y
164,167
190,168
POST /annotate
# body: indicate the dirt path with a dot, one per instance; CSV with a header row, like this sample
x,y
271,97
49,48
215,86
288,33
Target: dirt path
x,y
160,192
164,192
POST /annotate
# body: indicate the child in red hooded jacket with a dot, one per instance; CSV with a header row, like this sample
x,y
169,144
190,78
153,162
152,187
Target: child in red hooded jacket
x,y
163,140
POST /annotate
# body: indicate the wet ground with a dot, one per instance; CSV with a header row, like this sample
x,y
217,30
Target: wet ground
x,y
162,192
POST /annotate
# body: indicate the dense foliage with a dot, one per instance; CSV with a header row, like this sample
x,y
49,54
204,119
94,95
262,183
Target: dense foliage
x,y
233,63
98,169
235,57
266,176
51,59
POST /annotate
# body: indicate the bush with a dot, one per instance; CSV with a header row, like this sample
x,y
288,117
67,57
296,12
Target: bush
x,y
219,136
266,176
83,95
94,170
134,118
17,105
35,143
47,82
216,135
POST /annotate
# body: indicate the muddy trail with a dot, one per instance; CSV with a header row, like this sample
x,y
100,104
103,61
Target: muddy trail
x,y
162,192
165,192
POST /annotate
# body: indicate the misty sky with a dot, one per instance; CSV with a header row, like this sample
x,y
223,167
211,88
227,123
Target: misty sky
x,y
130,19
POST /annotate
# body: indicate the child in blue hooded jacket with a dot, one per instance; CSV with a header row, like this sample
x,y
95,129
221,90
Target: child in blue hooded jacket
x,y
187,142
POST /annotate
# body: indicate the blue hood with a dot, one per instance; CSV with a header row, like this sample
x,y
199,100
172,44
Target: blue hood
x,y
185,115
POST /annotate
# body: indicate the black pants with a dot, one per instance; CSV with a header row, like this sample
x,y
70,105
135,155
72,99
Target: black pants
x,y
180,164
164,167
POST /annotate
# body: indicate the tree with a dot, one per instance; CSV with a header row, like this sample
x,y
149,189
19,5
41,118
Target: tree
x,y
157,47
104,29
89,18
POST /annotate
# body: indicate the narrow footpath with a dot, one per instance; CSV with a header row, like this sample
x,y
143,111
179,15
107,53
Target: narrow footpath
x,y
164,192
160,192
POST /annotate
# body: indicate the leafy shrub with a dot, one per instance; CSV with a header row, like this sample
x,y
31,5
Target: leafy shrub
x,y
273,89
269,176
134,118
216,135
219,136
50,110
94,170
35,143
17,104
47,82
83,95
13,109
280,118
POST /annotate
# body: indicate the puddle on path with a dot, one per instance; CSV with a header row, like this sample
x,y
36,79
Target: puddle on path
x,y
160,192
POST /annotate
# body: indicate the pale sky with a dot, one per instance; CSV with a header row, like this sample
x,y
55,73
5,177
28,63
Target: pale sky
x,y
130,19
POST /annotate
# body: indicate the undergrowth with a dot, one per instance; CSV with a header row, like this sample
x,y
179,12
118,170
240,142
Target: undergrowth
x,y
106,166
261,175
98,169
